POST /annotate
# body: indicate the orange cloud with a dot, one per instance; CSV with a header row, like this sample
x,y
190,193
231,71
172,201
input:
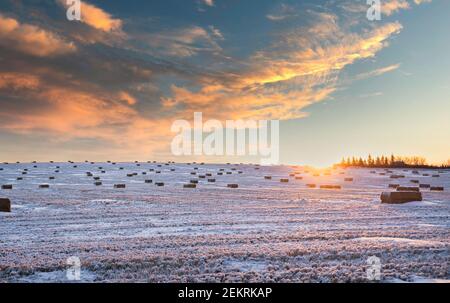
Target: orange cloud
x,y
98,18
392,6
31,39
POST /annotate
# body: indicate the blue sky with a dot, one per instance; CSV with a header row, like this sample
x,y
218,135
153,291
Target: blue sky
x,y
112,84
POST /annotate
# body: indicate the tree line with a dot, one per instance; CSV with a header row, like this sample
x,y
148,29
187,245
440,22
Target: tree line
x,y
389,162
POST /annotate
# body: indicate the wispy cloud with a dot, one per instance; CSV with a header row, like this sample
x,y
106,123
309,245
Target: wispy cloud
x,y
378,72
31,39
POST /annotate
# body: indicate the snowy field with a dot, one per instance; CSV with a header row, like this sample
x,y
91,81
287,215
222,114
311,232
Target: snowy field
x,y
264,231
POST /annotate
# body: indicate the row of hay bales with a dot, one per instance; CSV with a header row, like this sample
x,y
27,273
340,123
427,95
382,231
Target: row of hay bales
x,y
406,194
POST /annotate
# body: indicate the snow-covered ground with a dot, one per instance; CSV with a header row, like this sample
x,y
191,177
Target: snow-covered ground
x,y
264,231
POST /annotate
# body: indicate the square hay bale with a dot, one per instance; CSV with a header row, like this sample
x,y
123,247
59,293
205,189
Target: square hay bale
x,y
425,186
98,183
160,184
7,186
229,173
415,181
19,178
330,187
119,186
148,181
268,177
298,178
190,185
233,186
400,197
348,179
5,205
284,180
202,177
220,174
437,188
44,186
209,175
435,176
394,186
193,181
130,175
397,176
211,180
96,178
311,185
408,189
193,173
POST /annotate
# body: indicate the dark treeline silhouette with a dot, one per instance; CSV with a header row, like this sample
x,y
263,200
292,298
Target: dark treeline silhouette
x,y
390,162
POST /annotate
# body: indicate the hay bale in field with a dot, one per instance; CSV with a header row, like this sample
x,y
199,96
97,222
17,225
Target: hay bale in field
x,y
400,197
437,188
425,185
193,181
103,172
89,174
311,185
44,186
435,176
240,172
119,186
160,184
130,175
229,172
415,181
121,168
190,185
193,173
209,175
330,187
232,185
98,183
284,180
151,170
211,180
382,174
202,176
291,175
268,177
298,178
24,173
426,175
19,178
348,179
172,169
394,186
144,173
157,172
220,174
51,178
148,181
397,176
406,188
7,186
5,205
415,172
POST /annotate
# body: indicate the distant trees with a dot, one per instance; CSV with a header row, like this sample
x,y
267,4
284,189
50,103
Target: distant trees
x,y
388,162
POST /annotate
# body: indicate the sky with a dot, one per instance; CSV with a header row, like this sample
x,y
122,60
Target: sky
x,y
110,85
